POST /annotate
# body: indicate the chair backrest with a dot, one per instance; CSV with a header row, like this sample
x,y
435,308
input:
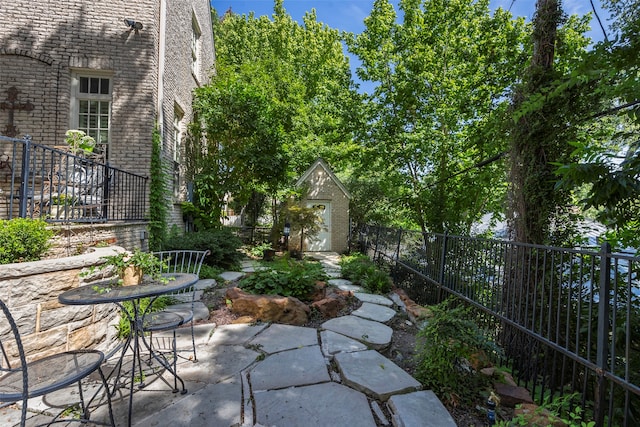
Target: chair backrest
x,y
10,343
182,261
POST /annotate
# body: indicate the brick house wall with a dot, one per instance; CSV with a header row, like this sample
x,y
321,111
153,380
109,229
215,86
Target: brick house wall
x,y
180,79
43,44
84,37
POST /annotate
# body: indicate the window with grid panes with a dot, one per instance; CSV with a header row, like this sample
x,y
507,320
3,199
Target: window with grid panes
x,y
93,106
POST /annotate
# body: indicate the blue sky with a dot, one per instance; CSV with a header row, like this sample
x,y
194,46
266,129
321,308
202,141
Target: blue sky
x,y
348,15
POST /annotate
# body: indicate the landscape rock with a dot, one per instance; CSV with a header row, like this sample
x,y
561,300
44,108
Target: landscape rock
x,y
329,307
416,312
501,376
510,396
333,303
268,308
319,291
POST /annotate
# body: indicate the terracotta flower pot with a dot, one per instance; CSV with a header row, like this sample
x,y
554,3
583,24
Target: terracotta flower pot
x,y
131,275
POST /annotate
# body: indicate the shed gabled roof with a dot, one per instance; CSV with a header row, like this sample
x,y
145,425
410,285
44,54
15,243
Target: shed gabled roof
x,y
325,166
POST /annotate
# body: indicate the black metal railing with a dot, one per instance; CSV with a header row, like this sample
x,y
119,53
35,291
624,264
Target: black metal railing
x,y
567,319
38,181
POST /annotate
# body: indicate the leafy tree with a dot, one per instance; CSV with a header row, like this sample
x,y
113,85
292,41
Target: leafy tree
x,y
441,74
281,97
547,109
245,138
607,164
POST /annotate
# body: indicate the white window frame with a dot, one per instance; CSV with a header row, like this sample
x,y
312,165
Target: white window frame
x,y
195,47
77,97
178,118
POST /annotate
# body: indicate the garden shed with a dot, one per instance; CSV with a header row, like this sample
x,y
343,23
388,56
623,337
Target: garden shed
x,y
331,198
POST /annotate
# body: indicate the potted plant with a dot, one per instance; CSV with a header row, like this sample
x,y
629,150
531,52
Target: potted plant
x,y
61,206
132,266
79,142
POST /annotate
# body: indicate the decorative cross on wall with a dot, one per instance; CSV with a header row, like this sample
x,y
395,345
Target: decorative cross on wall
x,y
12,105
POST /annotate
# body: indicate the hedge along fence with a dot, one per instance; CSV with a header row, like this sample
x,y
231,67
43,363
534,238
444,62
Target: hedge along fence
x,y
31,290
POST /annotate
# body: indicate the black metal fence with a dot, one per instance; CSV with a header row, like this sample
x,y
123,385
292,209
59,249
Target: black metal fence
x,y
252,235
38,181
567,319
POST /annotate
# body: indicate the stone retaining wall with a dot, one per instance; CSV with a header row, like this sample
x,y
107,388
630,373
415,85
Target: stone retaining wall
x,y
31,290
75,239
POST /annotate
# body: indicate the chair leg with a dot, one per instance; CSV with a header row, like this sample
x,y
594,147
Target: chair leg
x,y
106,387
193,343
150,346
175,363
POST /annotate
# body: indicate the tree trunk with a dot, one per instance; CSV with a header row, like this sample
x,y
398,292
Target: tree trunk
x,y
531,181
532,198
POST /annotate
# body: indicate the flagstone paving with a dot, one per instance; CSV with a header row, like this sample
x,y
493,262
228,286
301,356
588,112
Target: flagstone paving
x,y
287,376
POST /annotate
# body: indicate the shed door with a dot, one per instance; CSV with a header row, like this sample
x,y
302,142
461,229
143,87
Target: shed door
x,y
321,242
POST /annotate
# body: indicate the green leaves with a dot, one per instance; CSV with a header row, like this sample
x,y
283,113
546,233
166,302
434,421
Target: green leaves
x,y
23,239
285,277
281,97
441,74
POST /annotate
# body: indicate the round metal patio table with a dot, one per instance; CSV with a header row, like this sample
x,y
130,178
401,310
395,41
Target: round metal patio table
x,y
107,292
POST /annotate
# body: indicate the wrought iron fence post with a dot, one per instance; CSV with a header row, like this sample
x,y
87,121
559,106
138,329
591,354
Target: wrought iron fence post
x,y
24,183
106,184
603,331
397,256
443,262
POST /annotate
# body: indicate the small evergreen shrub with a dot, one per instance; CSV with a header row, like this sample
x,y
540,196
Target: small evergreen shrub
x,y
360,270
23,239
222,243
209,272
445,345
377,281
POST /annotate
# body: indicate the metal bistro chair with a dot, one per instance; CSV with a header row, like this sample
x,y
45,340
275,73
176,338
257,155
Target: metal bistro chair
x,y
175,316
20,381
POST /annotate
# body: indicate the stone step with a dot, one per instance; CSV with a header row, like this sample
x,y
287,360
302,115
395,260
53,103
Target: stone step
x,y
345,285
373,334
232,276
302,366
333,342
204,284
413,409
374,299
374,312
318,405
373,374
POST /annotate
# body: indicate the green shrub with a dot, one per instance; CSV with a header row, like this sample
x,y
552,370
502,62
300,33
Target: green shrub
x,y
360,270
377,281
354,267
23,239
209,272
258,250
287,277
445,346
564,410
222,243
